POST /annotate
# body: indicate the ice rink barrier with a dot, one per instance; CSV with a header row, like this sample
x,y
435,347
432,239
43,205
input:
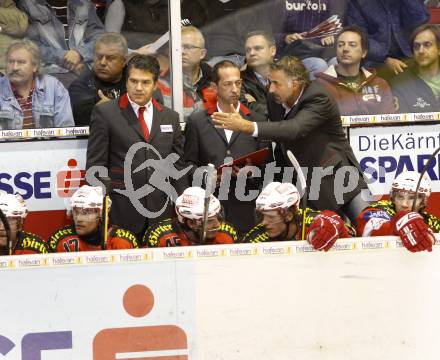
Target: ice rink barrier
x,y
368,298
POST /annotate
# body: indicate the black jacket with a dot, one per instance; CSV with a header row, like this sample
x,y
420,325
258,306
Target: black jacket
x,y
83,94
313,131
204,144
412,94
253,86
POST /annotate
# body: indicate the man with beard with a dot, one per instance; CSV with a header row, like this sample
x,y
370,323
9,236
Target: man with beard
x,y
417,89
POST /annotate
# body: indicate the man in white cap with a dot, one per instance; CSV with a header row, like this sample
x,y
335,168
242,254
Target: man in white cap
x,y
85,234
18,241
282,220
396,217
185,227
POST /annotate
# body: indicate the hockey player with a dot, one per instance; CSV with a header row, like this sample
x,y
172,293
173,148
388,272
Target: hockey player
x,y
15,210
184,229
395,216
281,219
86,233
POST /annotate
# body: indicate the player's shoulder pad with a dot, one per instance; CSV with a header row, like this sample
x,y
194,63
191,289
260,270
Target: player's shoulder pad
x,y
257,234
229,229
153,234
307,215
60,234
124,234
385,205
432,221
32,243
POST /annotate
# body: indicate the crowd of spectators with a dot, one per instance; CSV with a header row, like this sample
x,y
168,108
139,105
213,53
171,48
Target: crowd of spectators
x,y
374,66
64,65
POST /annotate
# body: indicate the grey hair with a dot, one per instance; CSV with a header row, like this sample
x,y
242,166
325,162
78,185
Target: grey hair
x,y
30,46
113,38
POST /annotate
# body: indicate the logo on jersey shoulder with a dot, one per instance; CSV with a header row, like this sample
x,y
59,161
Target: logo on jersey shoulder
x,y
381,214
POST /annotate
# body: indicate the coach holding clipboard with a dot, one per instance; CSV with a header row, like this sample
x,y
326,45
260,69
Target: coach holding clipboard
x,y
305,119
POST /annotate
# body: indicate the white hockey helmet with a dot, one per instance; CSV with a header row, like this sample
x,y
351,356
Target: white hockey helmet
x,y
13,205
190,204
278,196
88,197
407,181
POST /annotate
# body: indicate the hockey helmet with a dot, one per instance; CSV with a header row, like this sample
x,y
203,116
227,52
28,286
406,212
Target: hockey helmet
x,y
13,205
278,196
190,204
407,181
88,197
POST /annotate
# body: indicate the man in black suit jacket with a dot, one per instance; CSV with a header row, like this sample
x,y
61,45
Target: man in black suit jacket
x,y
205,144
305,119
136,119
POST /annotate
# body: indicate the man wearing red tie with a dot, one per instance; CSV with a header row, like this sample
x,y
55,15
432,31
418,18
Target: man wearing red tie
x,y
134,138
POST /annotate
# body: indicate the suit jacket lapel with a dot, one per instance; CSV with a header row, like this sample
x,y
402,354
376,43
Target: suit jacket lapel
x,y
157,119
220,132
244,112
133,121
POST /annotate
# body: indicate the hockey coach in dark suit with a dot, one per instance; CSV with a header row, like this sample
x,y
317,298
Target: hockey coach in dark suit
x,y
305,119
204,143
155,163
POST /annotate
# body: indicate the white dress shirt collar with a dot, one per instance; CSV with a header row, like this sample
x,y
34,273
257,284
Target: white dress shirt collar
x,y
228,133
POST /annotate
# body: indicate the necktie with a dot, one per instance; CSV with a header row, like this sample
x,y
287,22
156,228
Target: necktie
x,y
143,124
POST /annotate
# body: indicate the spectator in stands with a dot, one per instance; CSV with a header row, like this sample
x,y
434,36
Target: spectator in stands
x,y
13,25
388,24
227,24
396,217
356,89
185,227
65,31
27,98
206,144
104,82
417,89
260,51
196,72
86,233
143,21
295,19
282,220
18,241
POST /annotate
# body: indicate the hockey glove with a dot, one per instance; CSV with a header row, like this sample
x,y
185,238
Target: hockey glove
x,y
413,231
325,229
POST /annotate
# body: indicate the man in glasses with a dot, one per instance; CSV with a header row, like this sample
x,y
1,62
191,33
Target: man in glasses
x,y
417,89
185,227
396,217
280,219
196,73
85,234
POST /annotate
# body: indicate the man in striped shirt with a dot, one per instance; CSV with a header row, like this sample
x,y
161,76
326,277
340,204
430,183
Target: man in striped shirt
x,y
28,99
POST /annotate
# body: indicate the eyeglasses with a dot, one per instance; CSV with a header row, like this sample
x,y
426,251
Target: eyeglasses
x,y
187,47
